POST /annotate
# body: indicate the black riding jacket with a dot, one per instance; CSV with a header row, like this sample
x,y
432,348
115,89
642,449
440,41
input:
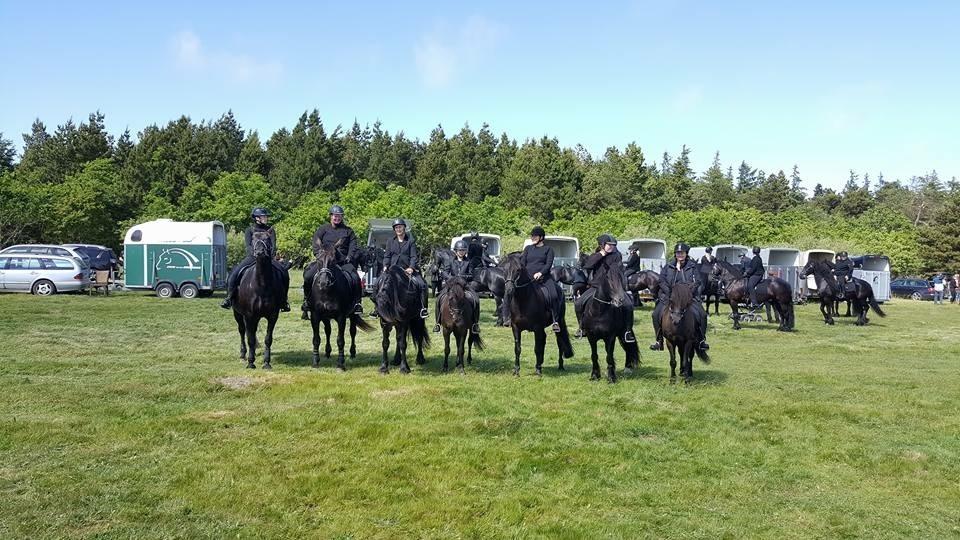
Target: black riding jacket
x,y
538,259
754,267
633,262
601,266
328,235
708,259
256,227
402,254
458,268
843,269
670,275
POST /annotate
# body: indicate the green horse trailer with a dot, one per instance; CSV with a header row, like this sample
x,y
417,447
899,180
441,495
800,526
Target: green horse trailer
x,y
175,257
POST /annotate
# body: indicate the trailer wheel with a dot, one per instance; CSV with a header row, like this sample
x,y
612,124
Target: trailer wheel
x,y
166,290
189,291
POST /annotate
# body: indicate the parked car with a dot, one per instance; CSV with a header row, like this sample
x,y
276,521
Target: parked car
x,y
47,249
917,289
101,257
42,275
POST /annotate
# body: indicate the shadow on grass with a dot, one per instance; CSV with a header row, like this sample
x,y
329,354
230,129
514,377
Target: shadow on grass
x,y
305,359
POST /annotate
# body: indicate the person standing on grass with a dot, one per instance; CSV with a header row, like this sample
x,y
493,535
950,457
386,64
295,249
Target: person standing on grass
x,y
956,288
952,297
938,289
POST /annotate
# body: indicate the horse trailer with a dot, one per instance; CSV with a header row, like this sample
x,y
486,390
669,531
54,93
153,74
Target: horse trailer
x,y
491,242
809,285
379,233
175,257
652,252
781,262
875,270
731,253
566,251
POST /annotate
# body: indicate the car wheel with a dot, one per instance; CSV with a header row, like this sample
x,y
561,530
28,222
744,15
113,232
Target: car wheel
x,y
189,291
43,288
916,296
165,290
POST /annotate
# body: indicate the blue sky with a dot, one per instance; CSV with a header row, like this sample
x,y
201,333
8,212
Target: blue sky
x,y
830,86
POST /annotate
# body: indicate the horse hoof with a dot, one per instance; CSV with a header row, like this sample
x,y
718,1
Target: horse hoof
x,y
516,372
561,368
383,370
611,380
267,366
687,380
405,370
628,371
342,369
461,371
594,376
538,372
251,366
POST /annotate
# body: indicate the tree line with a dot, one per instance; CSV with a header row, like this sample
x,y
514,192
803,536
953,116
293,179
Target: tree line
x,y
79,183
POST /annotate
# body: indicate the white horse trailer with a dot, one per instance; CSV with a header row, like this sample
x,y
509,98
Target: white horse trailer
x,y
782,263
492,242
731,252
566,250
652,252
381,231
809,286
697,253
875,270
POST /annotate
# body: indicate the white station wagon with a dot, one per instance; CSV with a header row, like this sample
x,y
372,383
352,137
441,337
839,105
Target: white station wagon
x,y
42,275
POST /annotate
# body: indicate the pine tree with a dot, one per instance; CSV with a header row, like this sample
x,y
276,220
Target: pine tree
x,y
7,154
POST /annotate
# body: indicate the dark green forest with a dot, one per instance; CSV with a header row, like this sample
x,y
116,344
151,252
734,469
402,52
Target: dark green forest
x,y
77,183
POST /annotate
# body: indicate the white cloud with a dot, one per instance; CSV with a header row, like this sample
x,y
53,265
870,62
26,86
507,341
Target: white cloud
x,y
191,56
444,53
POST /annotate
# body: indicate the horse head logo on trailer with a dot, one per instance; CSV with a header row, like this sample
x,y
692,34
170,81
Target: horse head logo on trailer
x,y
178,259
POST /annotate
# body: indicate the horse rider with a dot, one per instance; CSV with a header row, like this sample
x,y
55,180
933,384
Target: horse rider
x,y
261,223
477,251
634,261
459,267
708,258
537,258
326,237
842,271
754,275
402,252
606,259
681,269
744,263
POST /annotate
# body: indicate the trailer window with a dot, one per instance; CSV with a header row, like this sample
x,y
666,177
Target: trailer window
x,y
136,236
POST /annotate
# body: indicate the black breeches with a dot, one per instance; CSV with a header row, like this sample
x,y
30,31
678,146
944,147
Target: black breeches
x,y
752,288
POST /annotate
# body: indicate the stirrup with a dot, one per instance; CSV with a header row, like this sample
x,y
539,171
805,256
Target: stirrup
x,y
556,327
358,309
475,328
227,303
436,328
423,313
285,307
628,337
656,346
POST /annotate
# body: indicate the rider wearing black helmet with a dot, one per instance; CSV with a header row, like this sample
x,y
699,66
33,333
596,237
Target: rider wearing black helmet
x,y
327,237
754,274
681,269
634,261
458,267
843,271
261,222
605,259
402,252
537,258
477,251
708,257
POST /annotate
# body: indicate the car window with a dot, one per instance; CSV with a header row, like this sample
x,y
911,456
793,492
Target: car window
x,y
3,262
62,252
39,250
63,264
24,263
17,249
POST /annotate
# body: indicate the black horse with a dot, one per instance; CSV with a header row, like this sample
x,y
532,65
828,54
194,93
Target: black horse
x,y
571,275
858,292
775,291
442,257
643,280
261,291
398,302
490,279
457,308
607,314
333,301
711,289
680,331
529,311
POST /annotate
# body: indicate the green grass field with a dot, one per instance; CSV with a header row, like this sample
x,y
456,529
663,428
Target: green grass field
x,y
128,416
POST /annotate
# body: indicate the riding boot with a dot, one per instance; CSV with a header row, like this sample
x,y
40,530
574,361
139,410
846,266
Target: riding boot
x,y
657,345
703,346
227,302
628,337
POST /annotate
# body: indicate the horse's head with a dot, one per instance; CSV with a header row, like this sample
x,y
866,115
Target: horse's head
x,y
456,291
612,287
391,289
326,263
514,274
681,297
262,244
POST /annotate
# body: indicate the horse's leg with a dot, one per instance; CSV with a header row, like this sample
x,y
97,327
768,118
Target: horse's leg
x,y
315,325
516,350
251,325
353,338
421,360
341,324
402,331
611,342
268,341
469,347
716,304
462,336
498,309
825,307
673,359
385,345
326,330
446,349
735,314
595,372
686,361
242,328
539,346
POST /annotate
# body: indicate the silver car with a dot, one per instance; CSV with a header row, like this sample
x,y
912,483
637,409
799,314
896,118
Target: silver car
x,y
42,275
46,249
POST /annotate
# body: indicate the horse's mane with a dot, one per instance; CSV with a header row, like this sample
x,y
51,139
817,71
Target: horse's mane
x,y
682,295
510,265
614,280
822,271
326,256
393,275
736,272
456,289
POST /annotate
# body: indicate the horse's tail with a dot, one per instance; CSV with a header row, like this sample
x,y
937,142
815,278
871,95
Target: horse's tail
x,y
418,329
360,322
563,340
875,306
476,341
702,355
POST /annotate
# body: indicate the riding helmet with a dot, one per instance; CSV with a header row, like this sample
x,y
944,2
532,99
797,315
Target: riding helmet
x,y
538,231
709,249
336,209
259,212
399,221
842,254
756,250
606,238
461,244
681,246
